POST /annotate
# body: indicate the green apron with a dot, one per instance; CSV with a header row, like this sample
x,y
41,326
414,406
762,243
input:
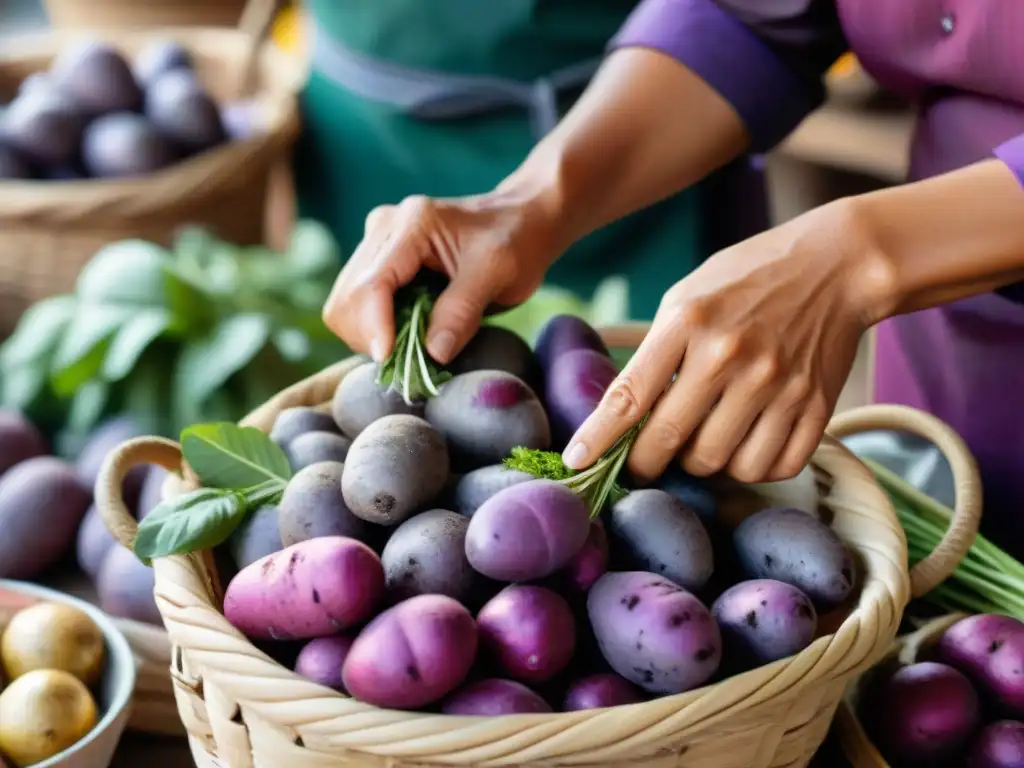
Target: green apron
x,y
358,152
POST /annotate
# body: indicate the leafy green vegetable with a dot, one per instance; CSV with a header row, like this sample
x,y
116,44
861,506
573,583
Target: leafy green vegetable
x,y
409,370
193,521
225,455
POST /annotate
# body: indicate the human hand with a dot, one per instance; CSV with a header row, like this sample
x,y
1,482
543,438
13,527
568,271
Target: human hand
x,y
493,248
760,340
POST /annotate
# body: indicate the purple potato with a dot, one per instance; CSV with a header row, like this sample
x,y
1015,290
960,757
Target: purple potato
x,y
312,506
689,490
257,537
792,546
492,697
763,620
322,658
292,423
183,111
999,745
427,555
591,562
574,386
102,441
43,126
483,415
499,349
654,531
413,654
476,487
527,531
19,439
566,333
124,144
311,589
13,165
989,649
396,466
653,632
94,542
599,691
359,401
158,58
241,119
529,631
924,712
64,173
96,78
34,81
152,491
125,587
316,447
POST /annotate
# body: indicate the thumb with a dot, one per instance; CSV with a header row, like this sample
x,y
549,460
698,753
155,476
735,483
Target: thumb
x,y
456,316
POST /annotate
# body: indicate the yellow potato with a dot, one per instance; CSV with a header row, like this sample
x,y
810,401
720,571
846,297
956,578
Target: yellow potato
x,y
53,636
42,713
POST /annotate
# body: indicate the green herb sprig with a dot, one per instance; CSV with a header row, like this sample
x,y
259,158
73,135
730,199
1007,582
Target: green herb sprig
x,y
598,485
409,370
241,470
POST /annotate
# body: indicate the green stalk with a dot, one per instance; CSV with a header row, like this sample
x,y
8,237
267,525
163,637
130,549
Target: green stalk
x,y
409,370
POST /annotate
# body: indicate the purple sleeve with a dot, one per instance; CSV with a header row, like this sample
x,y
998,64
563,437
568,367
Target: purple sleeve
x,y
765,58
1012,153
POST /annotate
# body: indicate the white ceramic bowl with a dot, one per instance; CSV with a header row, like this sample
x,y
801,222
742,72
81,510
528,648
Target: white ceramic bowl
x,y
96,748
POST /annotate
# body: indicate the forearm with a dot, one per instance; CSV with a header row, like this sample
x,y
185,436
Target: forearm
x,y
943,239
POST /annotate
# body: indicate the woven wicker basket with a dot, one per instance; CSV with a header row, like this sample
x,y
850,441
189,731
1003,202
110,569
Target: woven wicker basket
x,y
242,709
49,230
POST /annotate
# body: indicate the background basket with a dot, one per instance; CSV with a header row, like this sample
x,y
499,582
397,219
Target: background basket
x,y
134,14
49,230
243,709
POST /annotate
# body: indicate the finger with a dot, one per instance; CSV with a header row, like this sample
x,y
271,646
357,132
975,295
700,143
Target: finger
x,y
631,394
802,444
457,314
757,453
715,440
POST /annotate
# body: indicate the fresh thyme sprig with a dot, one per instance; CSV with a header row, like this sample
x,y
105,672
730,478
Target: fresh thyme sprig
x,y
409,369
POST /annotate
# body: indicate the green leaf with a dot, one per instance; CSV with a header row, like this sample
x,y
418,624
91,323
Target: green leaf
x,y
132,340
192,522
207,363
91,325
126,272
312,250
22,385
144,393
87,406
224,455
39,331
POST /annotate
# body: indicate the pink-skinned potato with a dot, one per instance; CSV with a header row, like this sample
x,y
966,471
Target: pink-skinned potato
x,y
573,386
653,632
590,563
999,745
322,658
412,654
989,649
125,587
19,439
527,531
529,631
492,697
311,589
604,689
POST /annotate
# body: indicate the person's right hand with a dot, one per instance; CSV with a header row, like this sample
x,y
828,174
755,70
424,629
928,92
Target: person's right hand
x,y
492,248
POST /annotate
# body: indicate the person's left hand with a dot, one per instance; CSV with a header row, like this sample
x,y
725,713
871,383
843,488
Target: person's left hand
x,y
760,340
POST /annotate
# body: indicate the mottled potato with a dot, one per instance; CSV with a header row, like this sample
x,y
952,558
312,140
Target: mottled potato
x,y
427,555
359,401
476,487
313,505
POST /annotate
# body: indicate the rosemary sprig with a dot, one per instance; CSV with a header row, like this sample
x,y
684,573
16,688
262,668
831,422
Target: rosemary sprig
x,y
409,370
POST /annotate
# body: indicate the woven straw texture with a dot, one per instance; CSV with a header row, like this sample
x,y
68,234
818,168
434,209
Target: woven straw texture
x,y
242,709
142,14
49,230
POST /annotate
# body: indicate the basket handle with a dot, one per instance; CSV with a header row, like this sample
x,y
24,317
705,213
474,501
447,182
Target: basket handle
x,y
109,497
256,21
963,527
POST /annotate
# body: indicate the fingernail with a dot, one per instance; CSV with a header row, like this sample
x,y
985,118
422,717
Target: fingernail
x,y
377,351
441,345
575,455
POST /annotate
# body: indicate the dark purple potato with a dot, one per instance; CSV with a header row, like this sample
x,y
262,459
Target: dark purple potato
x,y
44,126
689,490
102,441
476,487
427,555
312,506
527,531
653,632
529,631
483,415
574,385
763,620
989,649
295,422
35,81
321,660
599,691
654,531
566,333
125,587
315,447
124,144
183,112
94,542
999,745
591,562
492,697
499,349
792,546
12,165
97,79
257,537
19,439
152,490
924,712
64,173
359,401
396,466
158,58
241,119
42,503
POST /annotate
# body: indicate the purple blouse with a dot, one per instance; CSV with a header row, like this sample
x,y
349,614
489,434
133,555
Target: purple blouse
x,y
962,63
